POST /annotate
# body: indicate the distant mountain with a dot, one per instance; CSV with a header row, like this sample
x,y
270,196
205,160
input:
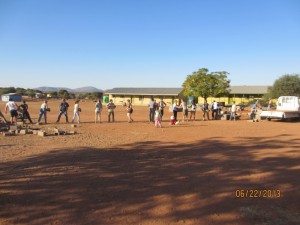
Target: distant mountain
x,y
49,89
87,89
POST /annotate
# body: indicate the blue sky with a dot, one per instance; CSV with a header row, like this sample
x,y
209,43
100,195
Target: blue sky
x,y
146,43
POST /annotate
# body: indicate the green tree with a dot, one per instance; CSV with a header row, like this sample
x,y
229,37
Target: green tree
x,y
7,90
96,95
63,94
21,91
53,94
81,96
286,85
30,93
72,95
204,84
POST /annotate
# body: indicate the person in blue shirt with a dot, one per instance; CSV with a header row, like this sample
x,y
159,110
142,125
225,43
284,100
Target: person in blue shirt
x,y
63,107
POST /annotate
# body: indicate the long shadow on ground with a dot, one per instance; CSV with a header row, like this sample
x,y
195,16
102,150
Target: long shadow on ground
x,y
150,182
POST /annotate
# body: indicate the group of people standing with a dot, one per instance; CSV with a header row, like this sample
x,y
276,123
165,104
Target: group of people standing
x,y
64,106
156,111
13,108
183,105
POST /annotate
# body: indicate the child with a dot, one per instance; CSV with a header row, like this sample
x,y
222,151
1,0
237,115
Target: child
x,y
157,118
173,121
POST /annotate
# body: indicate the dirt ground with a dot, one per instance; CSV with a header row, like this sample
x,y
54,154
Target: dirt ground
x,y
194,173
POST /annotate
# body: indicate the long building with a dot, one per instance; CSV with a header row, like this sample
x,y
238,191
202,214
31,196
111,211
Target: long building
x,y
141,96
15,97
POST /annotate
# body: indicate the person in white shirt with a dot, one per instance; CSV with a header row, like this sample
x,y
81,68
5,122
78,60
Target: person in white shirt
x,y
76,112
233,111
214,107
12,107
43,111
151,110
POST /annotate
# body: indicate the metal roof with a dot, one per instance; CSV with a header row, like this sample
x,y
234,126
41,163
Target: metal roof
x,y
248,89
176,91
11,94
144,91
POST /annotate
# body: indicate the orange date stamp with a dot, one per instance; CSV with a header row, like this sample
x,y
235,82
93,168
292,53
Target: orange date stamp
x,y
257,193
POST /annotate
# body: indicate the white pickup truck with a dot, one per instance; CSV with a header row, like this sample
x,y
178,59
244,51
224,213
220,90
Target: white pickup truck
x,y
287,107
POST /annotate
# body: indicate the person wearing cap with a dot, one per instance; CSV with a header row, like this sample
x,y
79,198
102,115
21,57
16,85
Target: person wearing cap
x,y
12,107
63,107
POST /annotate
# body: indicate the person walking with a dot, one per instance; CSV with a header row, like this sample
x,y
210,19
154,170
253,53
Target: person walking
x,y
43,112
205,110
161,106
151,110
233,111
76,112
25,113
193,110
129,111
98,110
111,110
12,107
63,107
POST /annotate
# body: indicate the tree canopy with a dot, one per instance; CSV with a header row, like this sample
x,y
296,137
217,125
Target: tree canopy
x,y
20,91
204,84
286,85
93,95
